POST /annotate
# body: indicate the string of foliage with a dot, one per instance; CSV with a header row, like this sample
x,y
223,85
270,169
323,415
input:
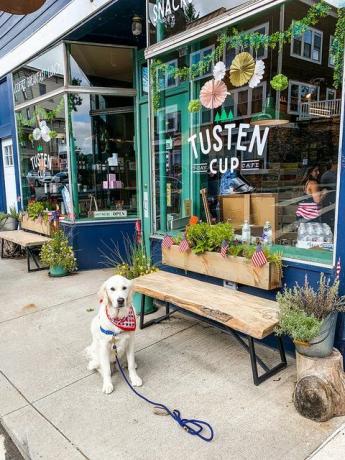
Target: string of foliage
x,y
337,48
241,40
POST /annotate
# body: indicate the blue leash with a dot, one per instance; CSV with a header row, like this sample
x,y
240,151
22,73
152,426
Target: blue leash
x,y
192,426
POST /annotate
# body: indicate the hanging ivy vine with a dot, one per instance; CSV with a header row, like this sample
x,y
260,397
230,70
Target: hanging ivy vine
x,y
234,39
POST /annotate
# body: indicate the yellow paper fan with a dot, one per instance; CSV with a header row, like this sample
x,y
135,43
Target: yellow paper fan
x,y
242,69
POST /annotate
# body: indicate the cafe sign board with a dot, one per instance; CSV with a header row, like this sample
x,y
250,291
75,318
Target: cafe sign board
x,y
163,9
241,138
109,214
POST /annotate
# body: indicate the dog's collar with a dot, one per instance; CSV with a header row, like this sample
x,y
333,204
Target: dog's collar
x,y
128,323
107,332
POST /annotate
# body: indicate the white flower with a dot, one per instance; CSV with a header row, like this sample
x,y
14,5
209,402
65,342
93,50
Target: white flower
x,y
258,74
219,70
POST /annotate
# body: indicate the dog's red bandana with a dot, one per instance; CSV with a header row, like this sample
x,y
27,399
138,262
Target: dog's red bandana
x,y
128,323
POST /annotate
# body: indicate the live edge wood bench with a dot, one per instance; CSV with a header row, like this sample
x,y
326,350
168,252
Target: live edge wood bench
x,y
30,242
241,315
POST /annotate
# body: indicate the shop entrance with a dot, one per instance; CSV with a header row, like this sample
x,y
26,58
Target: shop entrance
x,y
172,164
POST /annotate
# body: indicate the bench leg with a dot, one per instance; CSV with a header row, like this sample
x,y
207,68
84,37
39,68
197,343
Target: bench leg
x,y
2,248
167,315
268,372
31,255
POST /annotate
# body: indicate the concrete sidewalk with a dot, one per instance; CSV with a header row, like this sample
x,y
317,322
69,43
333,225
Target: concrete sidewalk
x,y
54,408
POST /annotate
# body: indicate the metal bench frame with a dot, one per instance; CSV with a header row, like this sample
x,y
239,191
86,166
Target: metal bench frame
x,y
249,347
30,255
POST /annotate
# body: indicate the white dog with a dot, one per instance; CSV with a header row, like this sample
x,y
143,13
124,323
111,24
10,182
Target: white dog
x,y
115,324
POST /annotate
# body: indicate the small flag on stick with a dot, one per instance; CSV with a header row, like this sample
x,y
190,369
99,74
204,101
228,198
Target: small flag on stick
x,y
184,245
259,258
224,248
337,270
167,242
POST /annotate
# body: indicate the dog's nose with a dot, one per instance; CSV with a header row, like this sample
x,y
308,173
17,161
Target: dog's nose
x,y
120,300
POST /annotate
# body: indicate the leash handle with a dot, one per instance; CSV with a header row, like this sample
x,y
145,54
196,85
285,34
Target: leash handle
x,y
192,426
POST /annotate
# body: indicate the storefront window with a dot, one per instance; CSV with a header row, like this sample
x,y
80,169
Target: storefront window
x,y
39,76
43,152
102,147
263,155
103,66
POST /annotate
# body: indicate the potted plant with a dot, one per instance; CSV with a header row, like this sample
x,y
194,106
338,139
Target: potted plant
x,y
58,255
135,263
309,316
204,256
36,218
9,221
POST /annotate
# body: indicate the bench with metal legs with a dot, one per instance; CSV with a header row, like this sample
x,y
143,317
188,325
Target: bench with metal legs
x,y
31,256
249,347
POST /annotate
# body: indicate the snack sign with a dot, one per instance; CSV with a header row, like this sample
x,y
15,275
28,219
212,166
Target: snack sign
x,y
216,138
164,8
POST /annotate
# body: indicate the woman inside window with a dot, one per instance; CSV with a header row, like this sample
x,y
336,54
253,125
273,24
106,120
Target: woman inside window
x,y
309,207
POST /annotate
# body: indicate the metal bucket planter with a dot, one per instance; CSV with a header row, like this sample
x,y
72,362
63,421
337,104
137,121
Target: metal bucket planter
x,y
149,307
56,271
9,224
322,345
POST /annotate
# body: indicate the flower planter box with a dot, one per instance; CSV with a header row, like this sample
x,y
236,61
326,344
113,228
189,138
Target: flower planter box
x,y
44,227
237,269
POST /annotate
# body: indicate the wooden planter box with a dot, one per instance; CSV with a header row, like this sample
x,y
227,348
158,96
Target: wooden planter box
x,y
236,269
44,227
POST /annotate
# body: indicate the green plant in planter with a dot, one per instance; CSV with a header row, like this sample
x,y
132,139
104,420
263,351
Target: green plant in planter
x,y
58,253
36,209
204,237
304,311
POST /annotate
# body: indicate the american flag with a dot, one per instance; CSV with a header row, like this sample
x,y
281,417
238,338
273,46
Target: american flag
x,y
259,258
224,248
167,242
308,211
337,270
184,245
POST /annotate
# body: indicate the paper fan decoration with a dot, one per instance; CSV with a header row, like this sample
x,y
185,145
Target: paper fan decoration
x,y
213,94
42,132
242,69
258,74
219,71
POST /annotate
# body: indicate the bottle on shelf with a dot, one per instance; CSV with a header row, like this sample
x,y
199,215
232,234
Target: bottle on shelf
x,y
246,234
267,234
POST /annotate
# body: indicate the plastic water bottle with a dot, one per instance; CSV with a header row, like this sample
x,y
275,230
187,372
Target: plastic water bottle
x,y
302,233
246,236
267,234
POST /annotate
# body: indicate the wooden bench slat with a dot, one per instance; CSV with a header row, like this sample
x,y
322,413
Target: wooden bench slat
x,y
242,312
24,239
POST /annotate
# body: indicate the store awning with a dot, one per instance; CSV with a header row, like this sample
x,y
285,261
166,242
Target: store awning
x,y
72,15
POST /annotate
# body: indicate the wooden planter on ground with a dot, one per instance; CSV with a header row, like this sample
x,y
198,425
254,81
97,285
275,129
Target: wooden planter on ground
x,y
40,225
236,269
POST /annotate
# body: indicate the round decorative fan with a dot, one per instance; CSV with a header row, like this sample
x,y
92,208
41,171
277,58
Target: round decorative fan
x,y
213,94
242,69
20,6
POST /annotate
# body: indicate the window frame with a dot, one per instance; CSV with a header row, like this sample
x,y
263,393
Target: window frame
x,y
202,52
299,84
297,56
8,156
234,94
330,56
265,25
331,90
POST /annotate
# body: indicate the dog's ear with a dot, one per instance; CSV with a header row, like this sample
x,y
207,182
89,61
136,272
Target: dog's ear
x,y
103,295
130,294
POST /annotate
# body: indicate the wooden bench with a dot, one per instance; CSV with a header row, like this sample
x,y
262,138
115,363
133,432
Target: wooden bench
x,y
236,313
30,242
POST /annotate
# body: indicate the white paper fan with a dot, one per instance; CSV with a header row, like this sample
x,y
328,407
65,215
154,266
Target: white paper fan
x,y
219,71
258,74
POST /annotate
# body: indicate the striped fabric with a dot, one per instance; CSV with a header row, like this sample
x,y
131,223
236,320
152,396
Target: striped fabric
x,y
224,248
259,258
167,242
337,270
308,211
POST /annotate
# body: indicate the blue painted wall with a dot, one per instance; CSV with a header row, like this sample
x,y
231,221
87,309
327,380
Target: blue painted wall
x,y
92,240
7,129
14,29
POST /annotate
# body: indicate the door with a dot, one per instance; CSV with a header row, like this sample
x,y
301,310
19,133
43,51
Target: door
x,y
172,164
9,173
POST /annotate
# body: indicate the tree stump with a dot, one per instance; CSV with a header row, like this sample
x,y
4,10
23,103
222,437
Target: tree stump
x,y
320,390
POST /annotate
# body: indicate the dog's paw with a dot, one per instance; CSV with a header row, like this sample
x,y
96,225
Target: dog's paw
x,y
108,388
136,381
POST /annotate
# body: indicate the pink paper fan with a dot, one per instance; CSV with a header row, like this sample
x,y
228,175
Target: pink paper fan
x,y
213,94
